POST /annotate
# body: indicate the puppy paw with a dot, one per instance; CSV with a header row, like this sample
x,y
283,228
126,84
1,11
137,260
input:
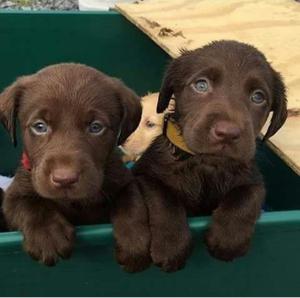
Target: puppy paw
x,y
170,256
224,247
132,259
48,242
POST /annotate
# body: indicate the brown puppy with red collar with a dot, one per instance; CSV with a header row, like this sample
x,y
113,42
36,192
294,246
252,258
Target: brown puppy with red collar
x,y
72,117
204,163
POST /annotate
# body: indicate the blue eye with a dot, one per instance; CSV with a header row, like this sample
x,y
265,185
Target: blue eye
x,y
258,97
39,127
96,128
201,85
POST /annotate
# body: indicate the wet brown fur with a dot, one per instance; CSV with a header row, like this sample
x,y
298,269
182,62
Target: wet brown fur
x,y
68,97
220,179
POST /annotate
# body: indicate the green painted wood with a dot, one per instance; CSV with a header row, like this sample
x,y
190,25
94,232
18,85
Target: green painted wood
x,y
270,268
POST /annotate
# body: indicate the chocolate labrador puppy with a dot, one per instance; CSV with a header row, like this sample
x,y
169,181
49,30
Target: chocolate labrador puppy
x,y
204,163
72,118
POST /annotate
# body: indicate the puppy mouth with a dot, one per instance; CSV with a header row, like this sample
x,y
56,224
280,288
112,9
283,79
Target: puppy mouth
x,y
133,155
68,193
217,153
65,192
221,150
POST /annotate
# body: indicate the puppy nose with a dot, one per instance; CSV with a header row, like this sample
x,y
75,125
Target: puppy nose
x,y
64,177
225,131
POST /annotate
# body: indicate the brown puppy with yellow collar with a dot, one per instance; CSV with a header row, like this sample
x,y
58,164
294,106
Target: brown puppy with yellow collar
x,y
204,163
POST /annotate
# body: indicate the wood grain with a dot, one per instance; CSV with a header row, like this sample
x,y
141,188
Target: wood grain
x,y
286,142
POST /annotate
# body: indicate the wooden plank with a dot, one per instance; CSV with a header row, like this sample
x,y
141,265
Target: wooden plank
x,y
273,26
286,142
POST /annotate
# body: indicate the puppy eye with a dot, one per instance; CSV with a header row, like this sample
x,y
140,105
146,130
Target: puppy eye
x,y
39,127
201,85
258,97
96,128
150,124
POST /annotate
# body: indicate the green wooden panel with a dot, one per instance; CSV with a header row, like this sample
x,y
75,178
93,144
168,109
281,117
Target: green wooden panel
x,y
270,269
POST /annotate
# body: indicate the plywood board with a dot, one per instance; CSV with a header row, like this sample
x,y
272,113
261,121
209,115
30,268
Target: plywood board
x,y
286,142
273,26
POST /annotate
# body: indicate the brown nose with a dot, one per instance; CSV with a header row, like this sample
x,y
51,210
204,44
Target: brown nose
x,y
64,177
224,131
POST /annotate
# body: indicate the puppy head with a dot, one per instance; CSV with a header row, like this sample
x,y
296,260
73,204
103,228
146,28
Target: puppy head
x,y
71,117
150,127
224,93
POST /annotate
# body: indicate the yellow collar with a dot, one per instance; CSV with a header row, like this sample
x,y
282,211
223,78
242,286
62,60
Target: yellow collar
x,y
173,133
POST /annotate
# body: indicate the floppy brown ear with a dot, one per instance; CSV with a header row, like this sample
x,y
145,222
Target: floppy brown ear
x,y
166,89
9,102
8,108
132,111
279,106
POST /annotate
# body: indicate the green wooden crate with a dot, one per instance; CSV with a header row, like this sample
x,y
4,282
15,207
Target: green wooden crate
x,y
30,41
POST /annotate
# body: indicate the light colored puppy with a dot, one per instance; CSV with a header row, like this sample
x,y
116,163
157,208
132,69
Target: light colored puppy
x,y
151,126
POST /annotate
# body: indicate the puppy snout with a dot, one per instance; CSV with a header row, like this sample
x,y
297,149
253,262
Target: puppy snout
x,y
224,131
64,177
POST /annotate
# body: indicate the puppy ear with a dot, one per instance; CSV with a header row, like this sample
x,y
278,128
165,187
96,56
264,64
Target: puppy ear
x,y
279,106
9,99
132,111
9,102
166,90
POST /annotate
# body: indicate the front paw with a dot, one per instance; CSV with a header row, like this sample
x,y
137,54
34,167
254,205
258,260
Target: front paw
x,y
227,246
49,241
171,255
133,259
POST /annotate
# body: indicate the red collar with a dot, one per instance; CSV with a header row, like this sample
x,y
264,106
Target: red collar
x,y
25,162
